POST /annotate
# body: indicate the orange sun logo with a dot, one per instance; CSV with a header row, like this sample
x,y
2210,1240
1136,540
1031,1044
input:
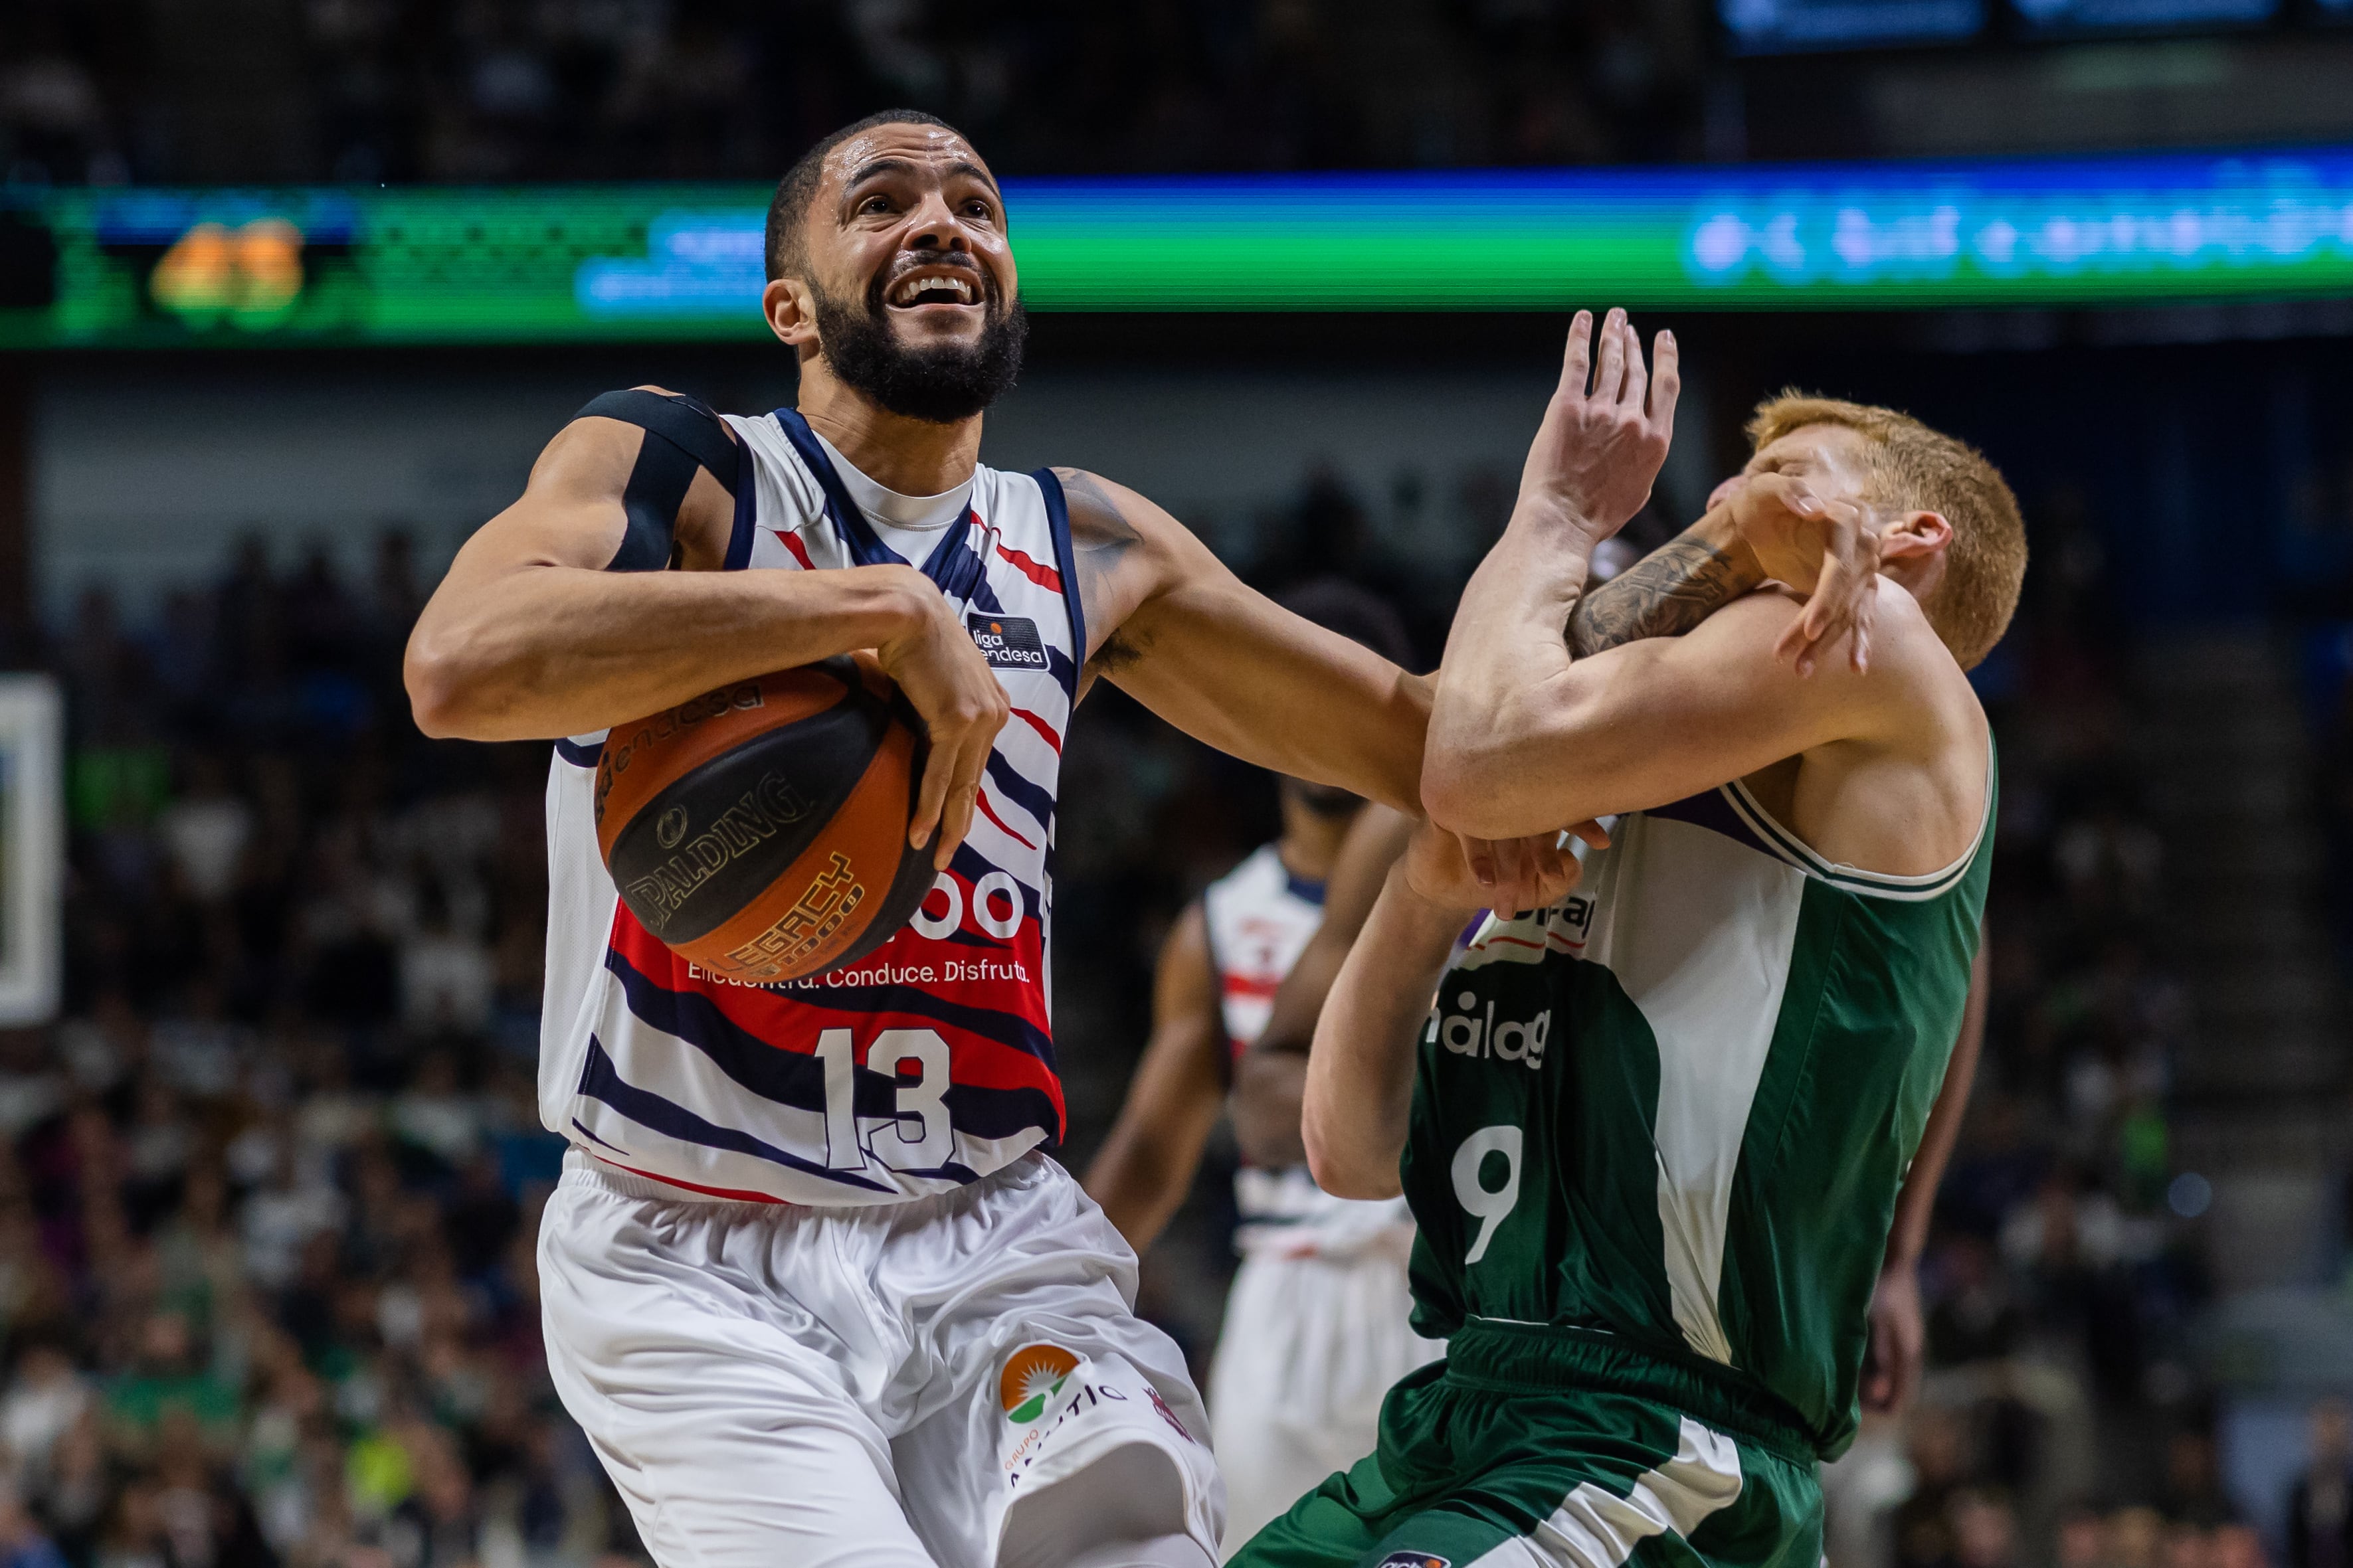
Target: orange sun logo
x,y
1033,1375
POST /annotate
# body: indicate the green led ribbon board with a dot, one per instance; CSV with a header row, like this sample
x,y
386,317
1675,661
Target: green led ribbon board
x,y
161,268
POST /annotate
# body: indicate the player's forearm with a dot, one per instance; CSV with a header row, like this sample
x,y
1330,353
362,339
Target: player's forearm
x,y
544,651
1269,1092
1140,1181
1668,591
1359,1086
1352,720
1492,713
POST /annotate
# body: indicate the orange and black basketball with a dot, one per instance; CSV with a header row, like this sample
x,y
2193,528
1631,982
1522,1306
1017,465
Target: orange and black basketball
x,y
760,830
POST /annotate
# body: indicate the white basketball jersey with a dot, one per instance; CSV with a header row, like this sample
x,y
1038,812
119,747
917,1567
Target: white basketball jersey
x,y
1260,918
923,1066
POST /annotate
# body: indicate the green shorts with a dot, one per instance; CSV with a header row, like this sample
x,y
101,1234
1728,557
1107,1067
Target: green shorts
x,y
1538,1447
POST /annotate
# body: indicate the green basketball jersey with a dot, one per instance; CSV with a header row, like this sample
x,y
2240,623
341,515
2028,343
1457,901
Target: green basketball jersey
x,y
1677,1107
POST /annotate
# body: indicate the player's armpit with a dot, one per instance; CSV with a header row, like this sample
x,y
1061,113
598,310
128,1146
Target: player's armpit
x,y
1146,1164
1656,721
1178,631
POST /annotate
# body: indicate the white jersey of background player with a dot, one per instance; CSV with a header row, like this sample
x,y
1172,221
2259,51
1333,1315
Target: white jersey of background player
x,y
1315,1328
914,1344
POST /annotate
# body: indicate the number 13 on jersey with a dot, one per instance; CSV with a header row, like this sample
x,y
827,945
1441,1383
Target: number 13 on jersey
x,y
916,1136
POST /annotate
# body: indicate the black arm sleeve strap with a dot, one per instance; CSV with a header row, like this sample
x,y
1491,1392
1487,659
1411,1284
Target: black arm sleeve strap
x,y
681,436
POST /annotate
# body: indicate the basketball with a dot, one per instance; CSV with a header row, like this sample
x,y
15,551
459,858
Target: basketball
x,y
760,830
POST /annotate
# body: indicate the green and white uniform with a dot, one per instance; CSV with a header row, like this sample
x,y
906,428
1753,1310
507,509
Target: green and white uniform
x,y
1657,1134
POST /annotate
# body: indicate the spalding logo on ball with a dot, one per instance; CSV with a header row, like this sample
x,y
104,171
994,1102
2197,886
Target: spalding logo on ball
x,y
760,830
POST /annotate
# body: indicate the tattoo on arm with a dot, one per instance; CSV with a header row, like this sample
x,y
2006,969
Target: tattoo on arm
x,y
1100,539
1664,595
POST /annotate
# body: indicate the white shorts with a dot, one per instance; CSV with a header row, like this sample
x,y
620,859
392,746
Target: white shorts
x,y
774,1387
1311,1345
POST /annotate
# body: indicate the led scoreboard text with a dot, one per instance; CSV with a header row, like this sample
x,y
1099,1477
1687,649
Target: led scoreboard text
x,y
427,264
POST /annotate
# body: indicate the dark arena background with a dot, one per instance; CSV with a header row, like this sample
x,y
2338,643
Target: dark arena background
x,y
292,291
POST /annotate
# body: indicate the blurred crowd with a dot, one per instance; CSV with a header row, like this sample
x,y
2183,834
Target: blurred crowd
x,y
109,92
268,1193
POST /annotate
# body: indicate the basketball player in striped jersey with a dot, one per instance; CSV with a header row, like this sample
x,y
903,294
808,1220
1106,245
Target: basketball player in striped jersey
x,y
810,1283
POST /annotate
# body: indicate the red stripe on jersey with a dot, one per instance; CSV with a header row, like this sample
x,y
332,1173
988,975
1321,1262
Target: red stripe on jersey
x,y
792,542
789,1018
980,798
1042,728
1252,985
739,1195
1044,576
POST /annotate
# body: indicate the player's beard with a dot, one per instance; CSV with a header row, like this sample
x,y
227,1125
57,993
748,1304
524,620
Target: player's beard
x,y
941,383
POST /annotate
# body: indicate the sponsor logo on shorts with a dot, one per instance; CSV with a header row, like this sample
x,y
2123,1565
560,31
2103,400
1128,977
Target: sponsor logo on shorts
x,y
1007,642
1033,1376
1166,1414
1414,1560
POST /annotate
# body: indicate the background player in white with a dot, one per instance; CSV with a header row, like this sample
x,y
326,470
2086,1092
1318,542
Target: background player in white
x,y
905,1330
1315,1329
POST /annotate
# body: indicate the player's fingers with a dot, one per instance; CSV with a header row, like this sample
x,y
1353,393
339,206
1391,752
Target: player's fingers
x,y
1637,392
1577,359
1666,386
963,795
1593,833
1610,373
930,796
1479,856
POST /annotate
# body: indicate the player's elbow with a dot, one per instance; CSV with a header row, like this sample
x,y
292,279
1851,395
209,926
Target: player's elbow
x,y
445,687
1346,1167
1465,791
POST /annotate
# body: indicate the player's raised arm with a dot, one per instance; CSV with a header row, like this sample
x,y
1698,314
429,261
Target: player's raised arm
x,y
1229,667
548,624
1527,735
1147,1163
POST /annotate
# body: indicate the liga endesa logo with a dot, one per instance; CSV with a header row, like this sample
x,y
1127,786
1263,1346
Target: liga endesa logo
x,y
1007,642
1414,1560
1033,1376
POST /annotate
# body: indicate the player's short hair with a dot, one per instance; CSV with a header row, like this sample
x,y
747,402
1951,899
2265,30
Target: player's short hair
x,y
1924,470
788,246
1355,612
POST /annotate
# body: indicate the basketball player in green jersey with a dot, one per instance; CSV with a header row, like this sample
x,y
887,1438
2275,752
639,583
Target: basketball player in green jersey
x,y
1654,1132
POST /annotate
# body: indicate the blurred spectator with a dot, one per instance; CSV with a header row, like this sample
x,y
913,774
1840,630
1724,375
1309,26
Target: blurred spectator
x,y
2320,1506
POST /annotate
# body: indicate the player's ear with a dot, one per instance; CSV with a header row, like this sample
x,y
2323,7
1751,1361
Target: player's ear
x,y
1914,533
791,311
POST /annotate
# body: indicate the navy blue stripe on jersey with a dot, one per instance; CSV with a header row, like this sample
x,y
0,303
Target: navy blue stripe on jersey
x,y
1306,890
1037,801
953,565
1059,662
1066,557
599,1080
972,866
798,1079
1710,810
747,510
579,755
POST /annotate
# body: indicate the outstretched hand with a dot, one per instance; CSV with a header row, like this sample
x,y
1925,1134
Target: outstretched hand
x,y
1600,450
1826,548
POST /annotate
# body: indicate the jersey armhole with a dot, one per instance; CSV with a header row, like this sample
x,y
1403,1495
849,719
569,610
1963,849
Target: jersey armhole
x,y
1058,518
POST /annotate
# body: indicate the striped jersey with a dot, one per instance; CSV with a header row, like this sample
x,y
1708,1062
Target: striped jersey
x,y
1259,917
1677,1107
927,1064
